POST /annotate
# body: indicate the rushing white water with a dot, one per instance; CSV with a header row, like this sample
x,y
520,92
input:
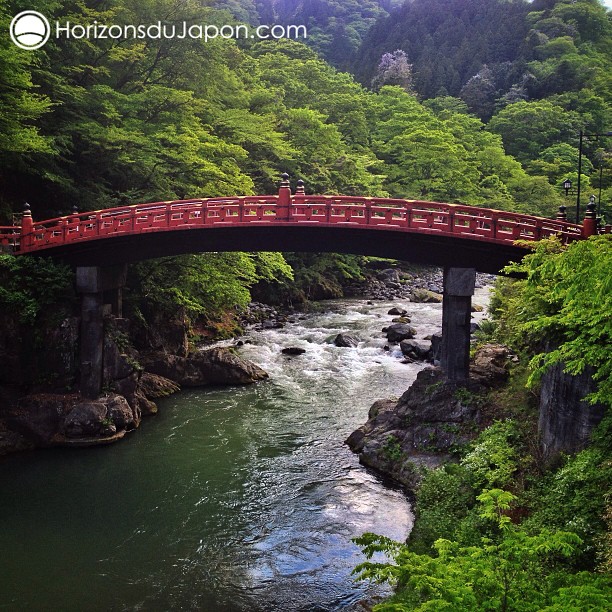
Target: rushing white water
x,y
232,499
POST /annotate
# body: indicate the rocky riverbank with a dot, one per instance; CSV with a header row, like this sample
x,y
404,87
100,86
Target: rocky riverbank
x,y
431,419
381,282
133,380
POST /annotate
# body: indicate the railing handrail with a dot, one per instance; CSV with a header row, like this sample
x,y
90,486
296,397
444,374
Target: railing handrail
x,y
460,220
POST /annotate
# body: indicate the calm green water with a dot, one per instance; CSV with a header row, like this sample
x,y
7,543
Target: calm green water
x,y
230,499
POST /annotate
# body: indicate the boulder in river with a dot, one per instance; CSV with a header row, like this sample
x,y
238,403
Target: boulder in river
x,y
389,276
425,296
154,386
217,366
88,419
395,311
39,416
46,419
400,331
293,350
414,349
346,340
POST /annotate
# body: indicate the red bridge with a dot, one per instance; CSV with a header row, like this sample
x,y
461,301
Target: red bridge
x,y
421,232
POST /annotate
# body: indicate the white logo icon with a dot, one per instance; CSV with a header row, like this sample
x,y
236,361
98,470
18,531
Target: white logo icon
x,y
30,30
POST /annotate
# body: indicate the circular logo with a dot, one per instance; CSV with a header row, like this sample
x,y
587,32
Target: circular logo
x,y
30,30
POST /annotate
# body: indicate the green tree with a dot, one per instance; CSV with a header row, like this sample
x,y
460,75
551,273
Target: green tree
x,y
205,285
564,299
511,571
527,128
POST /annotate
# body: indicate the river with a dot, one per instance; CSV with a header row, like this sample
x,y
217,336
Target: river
x,y
231,499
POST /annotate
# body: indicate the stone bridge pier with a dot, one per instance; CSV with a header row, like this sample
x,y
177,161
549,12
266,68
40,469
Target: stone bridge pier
x,y
459,284
101,291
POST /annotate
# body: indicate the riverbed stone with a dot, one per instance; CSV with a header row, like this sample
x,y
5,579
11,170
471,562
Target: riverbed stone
x,y
389,276
218,366
154,386
86,419
431,419
38,416
425,296
400,331
293,350
346,340
395,311
121,413
415,349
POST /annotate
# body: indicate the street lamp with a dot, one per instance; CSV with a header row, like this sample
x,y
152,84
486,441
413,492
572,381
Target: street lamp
x,y
567,185
582,136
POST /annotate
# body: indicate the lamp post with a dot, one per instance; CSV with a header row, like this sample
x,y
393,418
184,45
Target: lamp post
x,y
567,185
582,137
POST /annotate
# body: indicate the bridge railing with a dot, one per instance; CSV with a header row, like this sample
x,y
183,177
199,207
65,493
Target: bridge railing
x,y
434,217
412,215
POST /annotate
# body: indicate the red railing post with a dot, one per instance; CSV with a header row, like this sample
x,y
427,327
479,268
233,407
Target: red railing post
x,y
299,190
283,202
27,227
589,225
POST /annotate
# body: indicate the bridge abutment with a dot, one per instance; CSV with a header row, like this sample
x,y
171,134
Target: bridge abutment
x,y
98,287
459,284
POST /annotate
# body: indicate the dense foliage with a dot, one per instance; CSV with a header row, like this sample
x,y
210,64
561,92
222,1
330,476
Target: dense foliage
x,y
336,28
470,552
104,122
205,287
33,287
537,73
560,311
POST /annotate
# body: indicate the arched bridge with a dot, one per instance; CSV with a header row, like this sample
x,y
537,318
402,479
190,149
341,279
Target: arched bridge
x,y
412,230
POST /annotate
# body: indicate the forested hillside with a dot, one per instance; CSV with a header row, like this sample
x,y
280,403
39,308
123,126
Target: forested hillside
x,y
485,51
101,123
537,73
336,28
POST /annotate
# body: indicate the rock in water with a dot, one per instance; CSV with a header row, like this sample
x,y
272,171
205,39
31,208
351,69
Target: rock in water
x,y
390,275
346,340
397,311
414,349
425,296
218,366
431,419
400,331
85,420
154,386
293,350
39,416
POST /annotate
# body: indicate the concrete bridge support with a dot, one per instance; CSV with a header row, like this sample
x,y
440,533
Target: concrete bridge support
x,y
101,293
459,286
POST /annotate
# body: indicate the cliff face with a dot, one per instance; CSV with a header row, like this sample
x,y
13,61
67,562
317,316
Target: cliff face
x,y
566,420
